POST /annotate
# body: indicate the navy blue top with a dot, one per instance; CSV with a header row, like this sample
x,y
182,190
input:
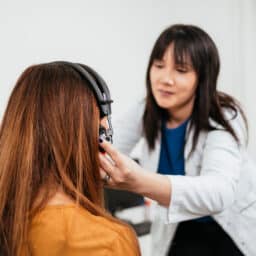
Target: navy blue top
x,y
172,150
171,159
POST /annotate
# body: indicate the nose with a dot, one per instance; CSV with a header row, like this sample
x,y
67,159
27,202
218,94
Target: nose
x,y
168,77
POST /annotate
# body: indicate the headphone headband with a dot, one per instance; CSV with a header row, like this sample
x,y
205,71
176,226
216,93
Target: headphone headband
x,y
100,91
96,83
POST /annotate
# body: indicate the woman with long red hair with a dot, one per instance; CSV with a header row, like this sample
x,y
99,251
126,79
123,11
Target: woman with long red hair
x,y
51,200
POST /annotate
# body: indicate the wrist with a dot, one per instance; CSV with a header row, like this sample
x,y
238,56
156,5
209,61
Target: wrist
x,y
140,181
154,186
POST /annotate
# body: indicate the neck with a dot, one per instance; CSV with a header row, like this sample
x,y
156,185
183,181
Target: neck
x,y
179,115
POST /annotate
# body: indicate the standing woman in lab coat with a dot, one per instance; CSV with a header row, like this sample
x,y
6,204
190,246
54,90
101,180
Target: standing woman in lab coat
x,y
193,158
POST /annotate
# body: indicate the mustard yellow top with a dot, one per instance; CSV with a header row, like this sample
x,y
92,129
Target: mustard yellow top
x,y
65,230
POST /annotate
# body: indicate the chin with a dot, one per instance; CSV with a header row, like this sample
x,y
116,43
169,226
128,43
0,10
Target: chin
x,y
165,105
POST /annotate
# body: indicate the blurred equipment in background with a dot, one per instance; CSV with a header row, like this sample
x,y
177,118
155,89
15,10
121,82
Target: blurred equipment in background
x,y
129,207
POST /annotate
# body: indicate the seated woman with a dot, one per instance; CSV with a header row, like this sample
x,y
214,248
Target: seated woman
x,y
51,199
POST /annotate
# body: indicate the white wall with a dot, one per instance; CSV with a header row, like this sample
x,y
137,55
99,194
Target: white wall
x,y
115,37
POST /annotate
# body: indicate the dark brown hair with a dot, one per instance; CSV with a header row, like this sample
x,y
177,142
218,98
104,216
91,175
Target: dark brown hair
x,y
48,139
193,43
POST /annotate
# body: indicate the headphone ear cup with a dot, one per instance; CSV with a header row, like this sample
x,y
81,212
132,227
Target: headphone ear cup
x,y
102,136
102,133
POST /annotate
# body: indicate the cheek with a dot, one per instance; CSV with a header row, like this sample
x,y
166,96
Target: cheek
x,y
190,92
193,87
188,85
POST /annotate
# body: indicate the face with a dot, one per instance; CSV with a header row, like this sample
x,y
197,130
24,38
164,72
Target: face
x,y
173,85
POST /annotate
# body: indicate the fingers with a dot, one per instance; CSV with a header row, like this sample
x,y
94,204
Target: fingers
x,y
106,166
105,177
102,173
110,150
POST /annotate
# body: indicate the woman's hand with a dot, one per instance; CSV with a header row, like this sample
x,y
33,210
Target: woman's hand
x,y
119,171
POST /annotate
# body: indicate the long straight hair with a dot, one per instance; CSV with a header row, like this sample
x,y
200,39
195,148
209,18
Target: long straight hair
x,y
48,140
191,42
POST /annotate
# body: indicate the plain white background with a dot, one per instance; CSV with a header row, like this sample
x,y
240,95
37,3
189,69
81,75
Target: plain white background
x,y
115,37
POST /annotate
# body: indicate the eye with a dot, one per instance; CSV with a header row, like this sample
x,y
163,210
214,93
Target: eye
x,y
182,70
158,64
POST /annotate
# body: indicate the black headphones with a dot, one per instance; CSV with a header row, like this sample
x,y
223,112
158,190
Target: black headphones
x,y
100,91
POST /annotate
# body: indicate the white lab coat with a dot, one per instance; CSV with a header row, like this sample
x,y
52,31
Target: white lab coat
x,y
220,181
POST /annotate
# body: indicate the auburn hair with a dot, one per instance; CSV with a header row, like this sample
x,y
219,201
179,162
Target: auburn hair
x,y
48,139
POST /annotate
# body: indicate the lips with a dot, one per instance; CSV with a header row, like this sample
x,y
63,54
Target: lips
x,y
165,93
